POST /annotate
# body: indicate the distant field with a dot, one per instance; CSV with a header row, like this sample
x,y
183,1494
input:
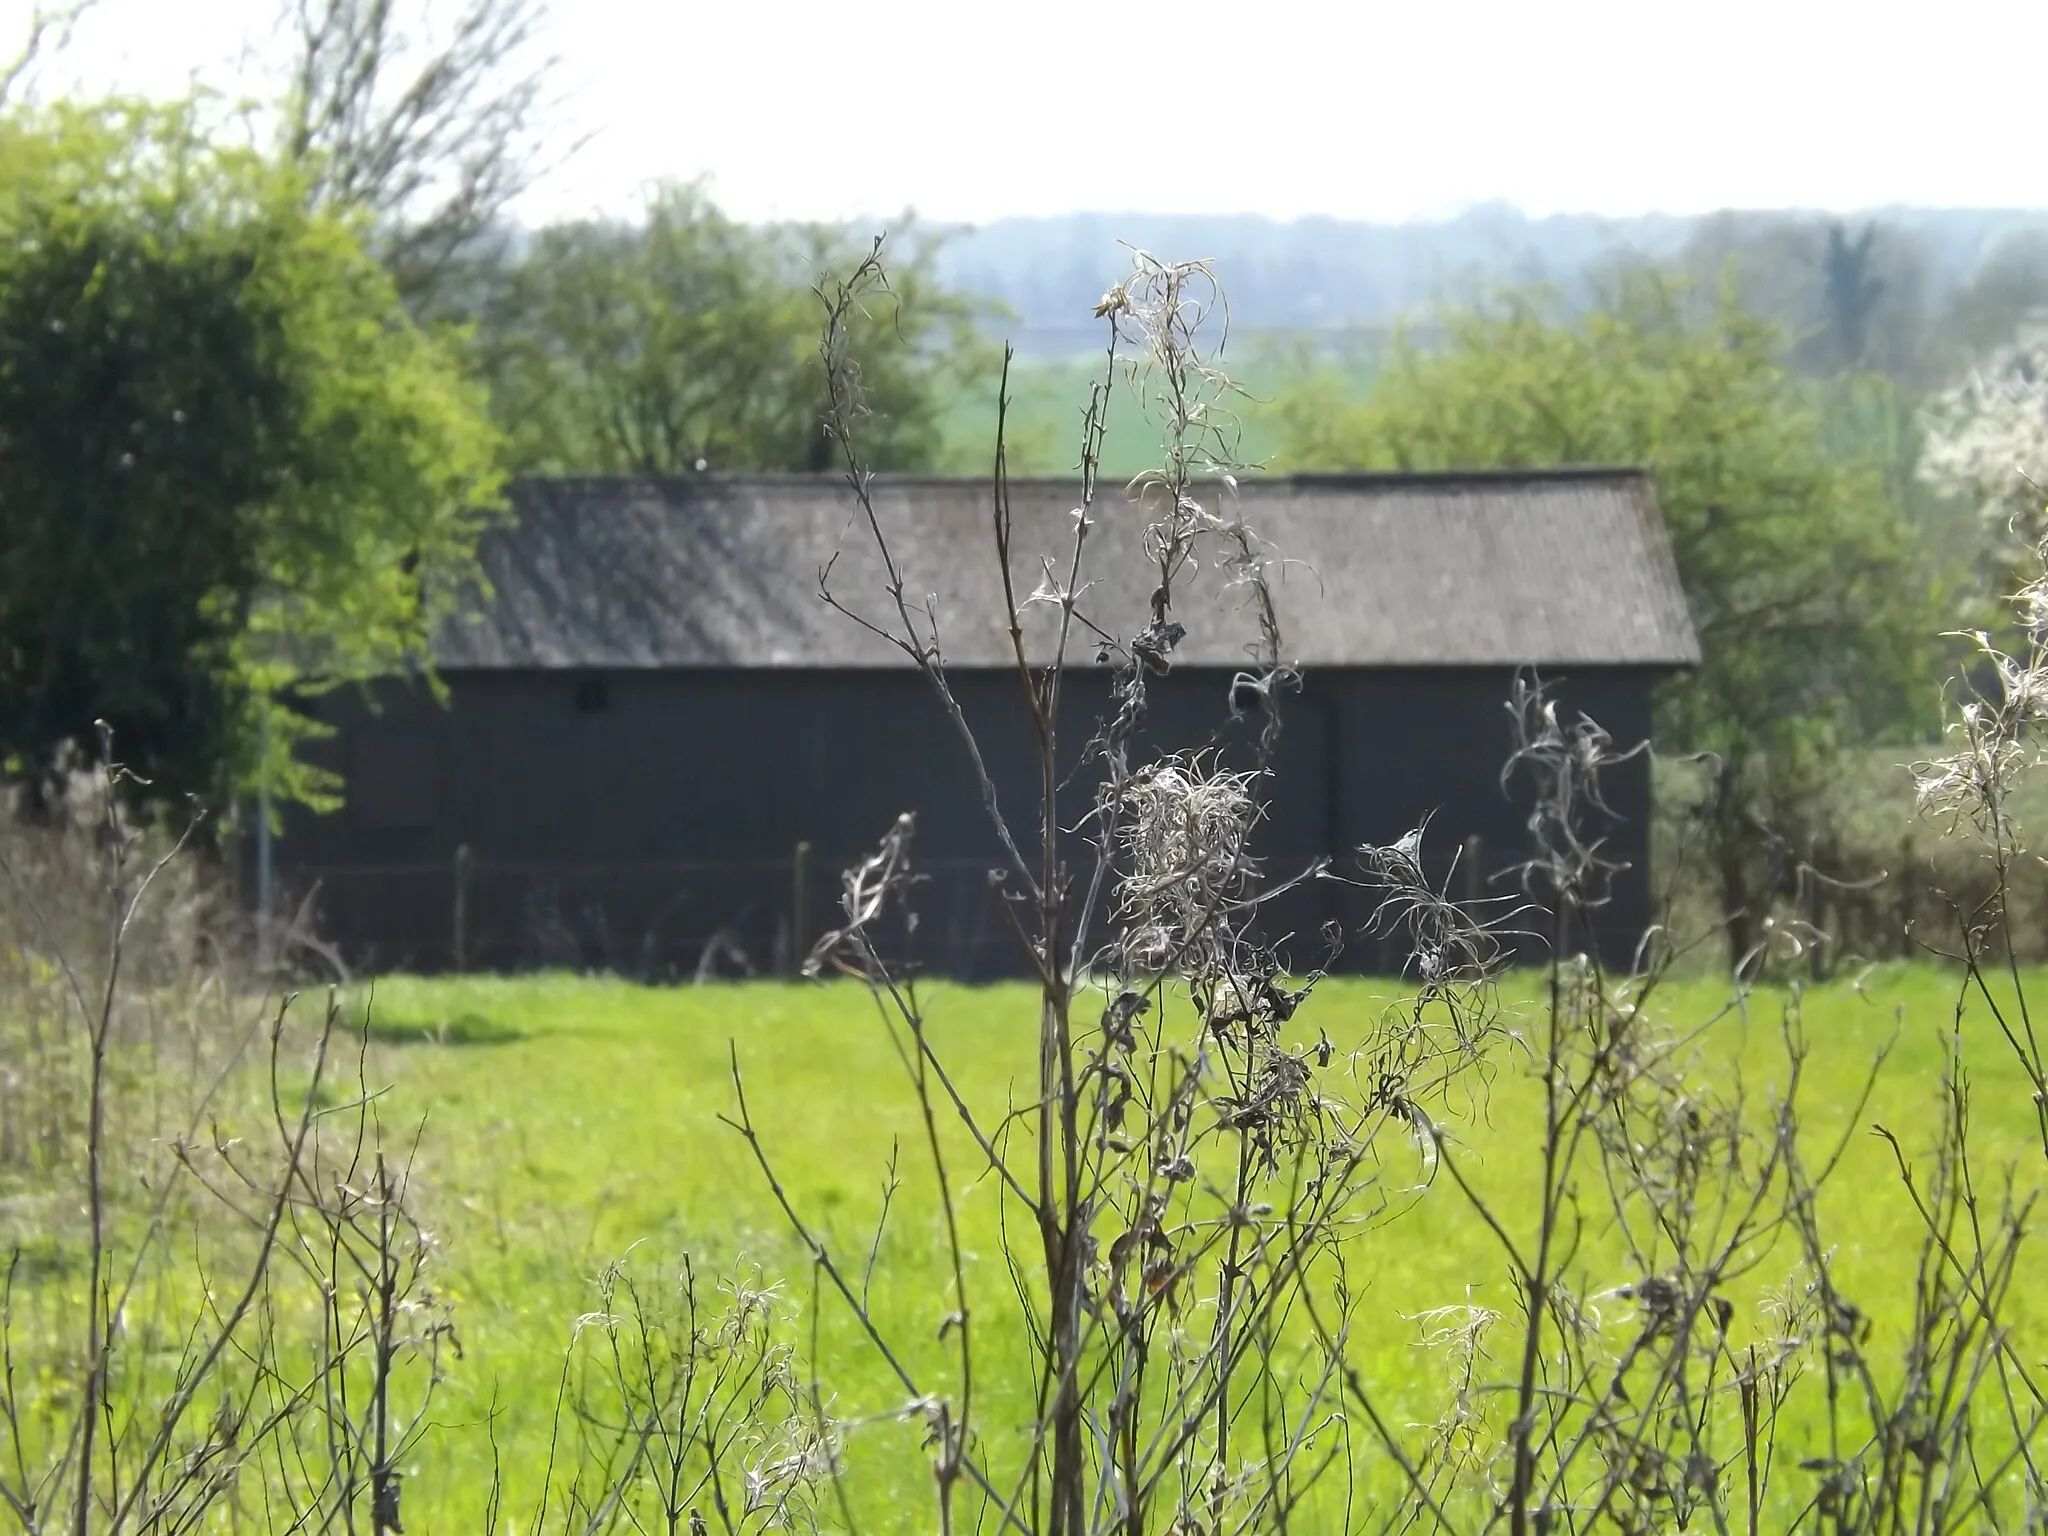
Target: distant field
x,y
566,1122
1047,396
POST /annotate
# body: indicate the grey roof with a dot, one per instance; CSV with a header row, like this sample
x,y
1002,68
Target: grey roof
x,y
1566,567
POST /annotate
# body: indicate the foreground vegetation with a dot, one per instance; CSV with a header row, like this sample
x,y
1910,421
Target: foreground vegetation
x,y
554,1127
569,1122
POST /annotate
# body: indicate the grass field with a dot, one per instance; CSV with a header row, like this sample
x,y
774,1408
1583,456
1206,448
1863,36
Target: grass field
x,y
567,1122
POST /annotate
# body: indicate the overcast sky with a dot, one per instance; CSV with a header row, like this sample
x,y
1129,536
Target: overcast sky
x,y
1385,109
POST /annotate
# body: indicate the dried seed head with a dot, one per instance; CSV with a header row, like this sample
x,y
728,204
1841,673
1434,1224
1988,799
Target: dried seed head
x,y
1182,829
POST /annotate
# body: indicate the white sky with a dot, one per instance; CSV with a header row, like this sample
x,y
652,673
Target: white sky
x,y
1381,109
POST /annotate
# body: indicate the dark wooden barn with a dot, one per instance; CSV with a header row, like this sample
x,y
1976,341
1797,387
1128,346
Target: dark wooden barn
x,y
660,744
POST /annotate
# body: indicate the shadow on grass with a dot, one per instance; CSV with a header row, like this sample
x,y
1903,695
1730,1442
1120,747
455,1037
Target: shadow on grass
x,y
463,1029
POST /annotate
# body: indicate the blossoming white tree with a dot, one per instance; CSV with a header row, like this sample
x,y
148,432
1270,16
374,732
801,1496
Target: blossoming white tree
x,y
1987,426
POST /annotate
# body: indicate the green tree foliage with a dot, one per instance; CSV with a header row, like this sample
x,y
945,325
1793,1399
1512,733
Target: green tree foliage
x,y
644,348
1812,598
231,469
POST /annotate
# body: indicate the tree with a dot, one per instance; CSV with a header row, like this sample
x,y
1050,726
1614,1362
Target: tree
x,y
1987,451
1840,302
2006,294
433,138
1811,599
689,338
231,469
1851,288
48,30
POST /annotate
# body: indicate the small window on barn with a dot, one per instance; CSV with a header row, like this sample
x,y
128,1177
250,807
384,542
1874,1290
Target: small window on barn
x,y
593,697
394,781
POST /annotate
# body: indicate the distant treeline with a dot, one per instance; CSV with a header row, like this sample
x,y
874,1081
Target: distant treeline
x,y
1947,279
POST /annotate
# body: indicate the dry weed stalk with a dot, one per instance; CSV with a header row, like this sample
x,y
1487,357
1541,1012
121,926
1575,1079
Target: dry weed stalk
x,y
67,881
1183,1166
1191,1158
686,1415
174,1387
1997,738
1640,1383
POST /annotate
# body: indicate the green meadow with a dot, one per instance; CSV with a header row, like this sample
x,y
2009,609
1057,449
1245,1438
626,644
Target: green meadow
x,y
563,1124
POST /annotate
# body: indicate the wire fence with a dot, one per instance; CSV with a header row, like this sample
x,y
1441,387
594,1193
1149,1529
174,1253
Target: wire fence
x,y
658,920
693,919
680,920
686,919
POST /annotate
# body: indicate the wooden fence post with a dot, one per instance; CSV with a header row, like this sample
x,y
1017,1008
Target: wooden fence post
x,y
1815,915
799,908
465,872
1909,895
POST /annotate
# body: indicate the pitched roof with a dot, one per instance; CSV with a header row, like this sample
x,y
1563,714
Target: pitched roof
x,y
1565,567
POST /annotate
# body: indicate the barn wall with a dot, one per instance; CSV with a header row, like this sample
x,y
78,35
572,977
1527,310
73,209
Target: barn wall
x,y
593,805
1417,746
